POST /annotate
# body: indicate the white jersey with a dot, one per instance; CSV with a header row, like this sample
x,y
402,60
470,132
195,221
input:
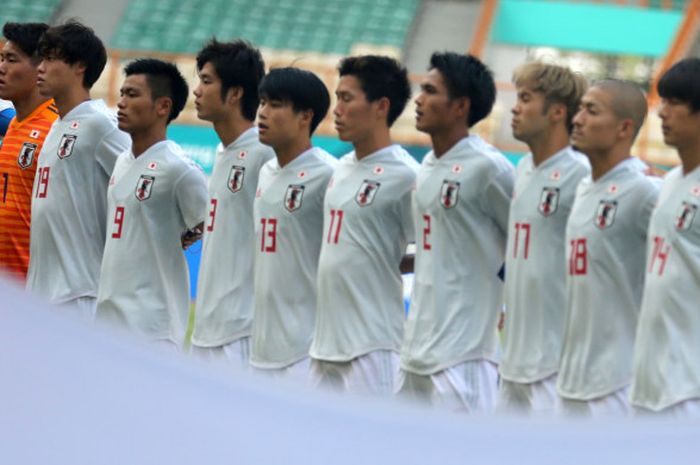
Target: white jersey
x,y
70,202
667,354
367,226
535,289
288,231
224,309
605,245
461,215
152,200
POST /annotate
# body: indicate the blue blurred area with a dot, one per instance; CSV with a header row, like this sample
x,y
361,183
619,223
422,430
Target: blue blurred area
x,y
5,118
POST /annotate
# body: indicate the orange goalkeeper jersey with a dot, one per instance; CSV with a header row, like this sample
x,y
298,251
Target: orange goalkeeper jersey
x,y
18,161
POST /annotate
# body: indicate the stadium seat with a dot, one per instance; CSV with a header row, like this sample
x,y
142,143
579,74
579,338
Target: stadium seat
x,y
326,26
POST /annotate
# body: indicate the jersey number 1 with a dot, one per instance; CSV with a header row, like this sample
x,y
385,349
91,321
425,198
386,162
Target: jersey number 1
x,y
659,254
334,226
525,228
42,186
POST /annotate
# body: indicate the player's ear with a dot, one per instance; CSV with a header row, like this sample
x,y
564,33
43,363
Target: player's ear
x,y
234,95
383,106
163,106
557,112
461,106
626,129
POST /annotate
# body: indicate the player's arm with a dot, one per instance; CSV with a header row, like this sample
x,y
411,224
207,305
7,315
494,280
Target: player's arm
x,y
192,196
408,260
113,144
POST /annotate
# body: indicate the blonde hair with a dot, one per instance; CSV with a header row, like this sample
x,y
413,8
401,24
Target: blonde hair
x,y
557,83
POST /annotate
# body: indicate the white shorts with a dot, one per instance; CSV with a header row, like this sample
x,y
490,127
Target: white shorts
x,y
235,354
85,307
685,409
537,398
369,374
614,404
298,371
470,386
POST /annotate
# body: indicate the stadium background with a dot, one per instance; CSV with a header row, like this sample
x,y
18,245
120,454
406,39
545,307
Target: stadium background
x,y
630,39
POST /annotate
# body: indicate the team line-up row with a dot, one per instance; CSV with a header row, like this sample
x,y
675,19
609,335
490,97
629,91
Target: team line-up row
x,y
302,254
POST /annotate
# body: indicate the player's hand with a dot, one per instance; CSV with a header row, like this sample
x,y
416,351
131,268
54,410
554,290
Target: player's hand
x,y
191,236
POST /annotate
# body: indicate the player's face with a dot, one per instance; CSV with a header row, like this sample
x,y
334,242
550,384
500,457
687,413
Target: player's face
x,y
434,109
529,115
55,77
17,73
137,111
355,117
208,102
596,127
680,126
278,124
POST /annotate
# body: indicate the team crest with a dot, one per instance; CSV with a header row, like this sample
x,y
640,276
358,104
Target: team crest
x,y
65,148
449,193
26,155
235,178
549,201
368,190
605,215
685,217
293,197
144,187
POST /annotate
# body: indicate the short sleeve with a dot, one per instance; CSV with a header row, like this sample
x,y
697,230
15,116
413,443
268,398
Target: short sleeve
x,y
110,147
497,197
648,205
191,196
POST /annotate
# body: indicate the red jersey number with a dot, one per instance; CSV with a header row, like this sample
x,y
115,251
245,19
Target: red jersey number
x,y
42,187
659,255
426,233
335,225
522,234
268,242
578,259
118,223
212,214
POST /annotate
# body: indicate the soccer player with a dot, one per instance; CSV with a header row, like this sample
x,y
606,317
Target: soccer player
x,y
227,96
545,182
448,357
155,195
68,225
288,221
605,242
667,355
20,149
367,226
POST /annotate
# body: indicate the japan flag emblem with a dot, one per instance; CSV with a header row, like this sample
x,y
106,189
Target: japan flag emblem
x,y
293,197
549,201
144,187
686,215
235,178
26,155
449,193
366,193
605,214
35,134
65,147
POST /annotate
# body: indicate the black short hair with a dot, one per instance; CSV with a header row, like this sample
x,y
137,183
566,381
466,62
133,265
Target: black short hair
x,y
25,36
237,64
467,76
682,82
302,89
164,79
379,77
74,42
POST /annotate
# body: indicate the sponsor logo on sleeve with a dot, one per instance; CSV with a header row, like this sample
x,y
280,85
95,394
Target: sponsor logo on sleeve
x,y
235,178
549,201
366,193
65,147
605,214
449,193
26,155
293,197
144,187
